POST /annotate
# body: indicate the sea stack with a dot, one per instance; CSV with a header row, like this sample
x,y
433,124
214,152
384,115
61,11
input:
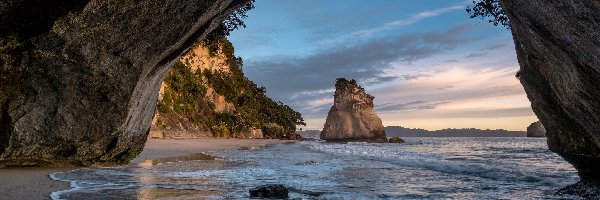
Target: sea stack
x,y
352,117
536,129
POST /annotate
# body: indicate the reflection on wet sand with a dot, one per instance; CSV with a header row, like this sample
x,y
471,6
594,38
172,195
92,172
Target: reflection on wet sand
x,y
191,157
190,163
249,148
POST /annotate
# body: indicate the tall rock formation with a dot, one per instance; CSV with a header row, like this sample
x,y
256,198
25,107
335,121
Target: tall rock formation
x,y
79,79
536,129
558,48
352,117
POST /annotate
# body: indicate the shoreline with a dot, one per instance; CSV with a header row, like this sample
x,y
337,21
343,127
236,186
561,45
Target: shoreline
x,y
35,183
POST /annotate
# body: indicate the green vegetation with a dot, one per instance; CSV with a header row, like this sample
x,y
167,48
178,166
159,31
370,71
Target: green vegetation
x,y
489,9
233,22
184,96
344,81
185,91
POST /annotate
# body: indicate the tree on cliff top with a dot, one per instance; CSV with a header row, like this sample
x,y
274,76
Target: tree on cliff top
x,y
489,9
233,22
340,81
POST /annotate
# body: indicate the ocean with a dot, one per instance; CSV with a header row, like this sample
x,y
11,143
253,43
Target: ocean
x,y
421,168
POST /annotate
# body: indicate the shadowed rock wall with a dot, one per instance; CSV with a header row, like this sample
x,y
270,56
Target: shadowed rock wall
x,y
558,48
79,79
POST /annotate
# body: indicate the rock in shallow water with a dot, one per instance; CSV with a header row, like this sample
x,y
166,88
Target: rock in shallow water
x,y
79,83
352,117
270,192
536,129
396,140
557,44
584,189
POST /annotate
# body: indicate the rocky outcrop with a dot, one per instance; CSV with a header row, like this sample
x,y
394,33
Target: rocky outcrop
x,y
80,78
270,192
396,140
536,129
557,44
352,117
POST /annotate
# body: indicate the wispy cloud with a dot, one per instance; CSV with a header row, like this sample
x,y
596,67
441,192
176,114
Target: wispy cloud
x,y
368,62
394,24
410,106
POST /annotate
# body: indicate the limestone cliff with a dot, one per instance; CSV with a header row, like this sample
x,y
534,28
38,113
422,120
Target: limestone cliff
x,y
169,124
352,117
536,129
557,44
207,95
79,79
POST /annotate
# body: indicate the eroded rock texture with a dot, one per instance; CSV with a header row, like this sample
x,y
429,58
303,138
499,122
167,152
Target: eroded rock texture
x,y
536,129
558,48
79,79
352,117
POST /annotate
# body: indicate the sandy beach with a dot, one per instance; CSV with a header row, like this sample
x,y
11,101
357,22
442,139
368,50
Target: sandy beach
x,y
34,183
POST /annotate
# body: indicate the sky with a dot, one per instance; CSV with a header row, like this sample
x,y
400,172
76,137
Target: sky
x,y
426,62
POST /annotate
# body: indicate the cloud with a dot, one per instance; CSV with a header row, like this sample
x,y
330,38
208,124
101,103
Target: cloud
x,y
286,76
411,106
493,47
475,55
483,112
394,24
414,76
446,87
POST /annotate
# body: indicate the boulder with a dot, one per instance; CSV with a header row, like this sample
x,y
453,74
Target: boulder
x,y
396,140
270,192
536,129
352,117
558,48
79,79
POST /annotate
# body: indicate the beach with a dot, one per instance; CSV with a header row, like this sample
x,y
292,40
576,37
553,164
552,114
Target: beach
x,y
420,168
34,182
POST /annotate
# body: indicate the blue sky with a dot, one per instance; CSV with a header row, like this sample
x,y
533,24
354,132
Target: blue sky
x,y
428,65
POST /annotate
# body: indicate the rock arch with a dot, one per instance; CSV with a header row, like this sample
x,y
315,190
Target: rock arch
x,y
80,78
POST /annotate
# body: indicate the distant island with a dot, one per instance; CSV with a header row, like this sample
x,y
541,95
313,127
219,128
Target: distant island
x,y
399,131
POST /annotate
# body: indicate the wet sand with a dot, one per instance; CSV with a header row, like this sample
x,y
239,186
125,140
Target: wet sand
x,y
34,183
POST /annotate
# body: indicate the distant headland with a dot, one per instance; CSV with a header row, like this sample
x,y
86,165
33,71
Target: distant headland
x,y
399,131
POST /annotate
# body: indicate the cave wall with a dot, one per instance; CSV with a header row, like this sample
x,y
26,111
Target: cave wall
x,y
558,48
80,79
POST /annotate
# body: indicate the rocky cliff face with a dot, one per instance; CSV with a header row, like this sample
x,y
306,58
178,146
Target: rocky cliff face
x,y
557,44
536,129
169,124
352,117
206,94
80,78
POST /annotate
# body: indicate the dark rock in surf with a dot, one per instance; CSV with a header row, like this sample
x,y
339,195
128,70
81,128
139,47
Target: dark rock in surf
x,y
584,189
270,192
396,140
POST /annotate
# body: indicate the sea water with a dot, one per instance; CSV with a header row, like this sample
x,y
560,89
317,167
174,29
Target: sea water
x,y
421,168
